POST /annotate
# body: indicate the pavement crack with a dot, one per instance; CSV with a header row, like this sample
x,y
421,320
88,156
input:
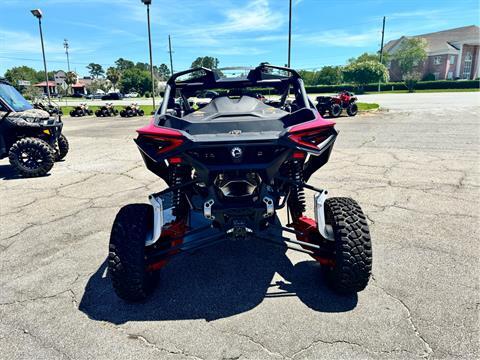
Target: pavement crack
x,y
428,351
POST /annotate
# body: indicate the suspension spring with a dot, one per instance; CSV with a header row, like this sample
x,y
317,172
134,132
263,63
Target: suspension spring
x,y
296,200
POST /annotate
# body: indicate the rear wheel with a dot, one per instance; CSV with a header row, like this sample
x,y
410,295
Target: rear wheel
x,y
141,112
122,113
32,157
335,110
352,247
126,258
352,109
63,147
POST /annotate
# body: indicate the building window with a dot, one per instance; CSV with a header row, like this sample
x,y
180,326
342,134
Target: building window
x,y
467,66
452,59
450,75
437,75
437,60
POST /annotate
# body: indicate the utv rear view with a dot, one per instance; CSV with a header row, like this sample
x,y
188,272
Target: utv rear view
x,y
230,167
31,138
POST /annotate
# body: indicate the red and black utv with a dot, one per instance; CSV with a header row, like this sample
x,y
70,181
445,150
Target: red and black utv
x,y
230,168
335,104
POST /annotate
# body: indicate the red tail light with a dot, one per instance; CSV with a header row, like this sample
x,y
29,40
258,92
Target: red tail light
x,y
160,140
312,133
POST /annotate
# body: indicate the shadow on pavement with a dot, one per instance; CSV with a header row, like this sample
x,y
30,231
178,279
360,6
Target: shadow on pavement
x,y
215,283
7,173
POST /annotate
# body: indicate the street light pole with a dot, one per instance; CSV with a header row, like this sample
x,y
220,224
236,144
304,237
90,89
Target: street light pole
x,y
289,32
148,2
38,14
170,51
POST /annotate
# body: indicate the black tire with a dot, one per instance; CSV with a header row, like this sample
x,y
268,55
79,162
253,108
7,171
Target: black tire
x,y
321,111
122,113
98,113
90,112
352,248
126,257
141,112
72,113
130,113
352,109
335,110
31,157
63,147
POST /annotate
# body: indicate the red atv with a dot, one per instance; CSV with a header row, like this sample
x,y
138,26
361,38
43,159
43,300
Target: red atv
x,y
335,104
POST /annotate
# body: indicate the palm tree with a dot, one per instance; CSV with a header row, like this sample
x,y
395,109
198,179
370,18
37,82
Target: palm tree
x,y
114,75
70,79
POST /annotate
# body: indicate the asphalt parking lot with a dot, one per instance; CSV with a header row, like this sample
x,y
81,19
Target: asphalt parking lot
x,y
414,170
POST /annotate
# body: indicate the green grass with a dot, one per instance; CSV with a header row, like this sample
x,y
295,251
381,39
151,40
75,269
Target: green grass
x,y
367,106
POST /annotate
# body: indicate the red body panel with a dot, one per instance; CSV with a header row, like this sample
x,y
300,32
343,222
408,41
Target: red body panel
x,y
160,131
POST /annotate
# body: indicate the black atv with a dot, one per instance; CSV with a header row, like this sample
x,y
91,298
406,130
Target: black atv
x,y
51,109
107,110
31,138
132,110
81,110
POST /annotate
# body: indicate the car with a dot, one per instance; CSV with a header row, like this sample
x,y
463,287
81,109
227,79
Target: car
x,y
32,139
112,96
95,96
131,95
229,169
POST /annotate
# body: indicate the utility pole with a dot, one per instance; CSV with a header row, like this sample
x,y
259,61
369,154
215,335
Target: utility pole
x,y
148,3
381,50
170,51
65,45
289,32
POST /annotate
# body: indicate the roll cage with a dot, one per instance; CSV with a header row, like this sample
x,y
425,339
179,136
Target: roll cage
x,y
262,76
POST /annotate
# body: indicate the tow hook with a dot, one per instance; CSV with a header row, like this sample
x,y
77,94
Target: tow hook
x,y
207,209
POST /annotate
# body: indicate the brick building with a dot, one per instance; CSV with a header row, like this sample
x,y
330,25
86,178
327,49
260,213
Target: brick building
x,y
452,54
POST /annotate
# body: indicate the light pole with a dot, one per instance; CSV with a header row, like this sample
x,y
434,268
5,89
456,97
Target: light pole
x,y
289,32
148,3
38,14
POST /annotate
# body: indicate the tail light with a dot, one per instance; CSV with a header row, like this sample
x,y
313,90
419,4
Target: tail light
x,y
312,133
163,144
156,140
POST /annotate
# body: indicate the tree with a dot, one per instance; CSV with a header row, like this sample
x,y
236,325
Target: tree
x,y
410,57
70,79
205,61
95,70
163,72
123,64
23,73
369,57
363,73
135,79
114,75
330,75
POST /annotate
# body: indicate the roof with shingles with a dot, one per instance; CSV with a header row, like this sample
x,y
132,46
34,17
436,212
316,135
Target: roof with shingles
x,y
441,41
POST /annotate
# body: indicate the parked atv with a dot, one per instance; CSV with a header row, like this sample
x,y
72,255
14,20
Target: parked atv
x,y
51,109
31,138
81,110
230,168
106,110
132,110
334,105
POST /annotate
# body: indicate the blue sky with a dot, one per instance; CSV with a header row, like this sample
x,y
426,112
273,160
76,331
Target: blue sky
x,y
325,32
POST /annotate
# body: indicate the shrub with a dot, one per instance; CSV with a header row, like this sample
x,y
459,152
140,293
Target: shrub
x,y
429,77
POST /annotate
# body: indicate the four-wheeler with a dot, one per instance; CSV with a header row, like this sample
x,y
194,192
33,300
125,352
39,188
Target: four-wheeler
x,y
335,104
81,110
51,109
31,138
230,168
107,110
132,110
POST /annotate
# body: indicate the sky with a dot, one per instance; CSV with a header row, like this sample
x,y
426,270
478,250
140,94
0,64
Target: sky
x,y
238,33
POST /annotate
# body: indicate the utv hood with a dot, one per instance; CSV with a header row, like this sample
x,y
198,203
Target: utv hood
x,y
31,117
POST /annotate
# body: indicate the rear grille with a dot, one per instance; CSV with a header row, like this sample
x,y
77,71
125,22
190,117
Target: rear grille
x,y
222,155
